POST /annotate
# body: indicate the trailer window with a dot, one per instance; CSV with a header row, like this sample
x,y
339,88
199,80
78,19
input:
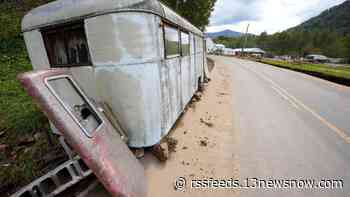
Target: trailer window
x,y
185,44
172,41
67,46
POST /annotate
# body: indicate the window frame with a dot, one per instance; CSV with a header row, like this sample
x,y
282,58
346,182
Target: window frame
x,y
166,56
62,30
182,31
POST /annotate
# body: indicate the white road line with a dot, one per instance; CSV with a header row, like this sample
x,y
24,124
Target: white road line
x,y
331,126
285,97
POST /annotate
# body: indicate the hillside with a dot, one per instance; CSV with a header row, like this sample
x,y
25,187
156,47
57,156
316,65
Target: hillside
x,y
225,33
335,19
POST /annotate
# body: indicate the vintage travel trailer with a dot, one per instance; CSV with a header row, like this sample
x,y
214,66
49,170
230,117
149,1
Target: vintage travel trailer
x,y
138,58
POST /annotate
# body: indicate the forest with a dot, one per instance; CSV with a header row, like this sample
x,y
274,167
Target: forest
x,y
295,43
327,34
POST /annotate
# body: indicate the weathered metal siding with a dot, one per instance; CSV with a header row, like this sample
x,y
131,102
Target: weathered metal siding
x,y
193,64
171,91
36,50
85,77
61,11
129,73
40,61
186,83
124,51
199,56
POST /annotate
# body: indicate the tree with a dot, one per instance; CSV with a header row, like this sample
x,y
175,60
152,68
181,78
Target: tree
x,y
196,11
347,45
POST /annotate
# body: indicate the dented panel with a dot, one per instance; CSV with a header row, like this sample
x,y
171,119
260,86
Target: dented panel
x,y
126,72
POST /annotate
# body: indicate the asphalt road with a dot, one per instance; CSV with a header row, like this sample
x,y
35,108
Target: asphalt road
x,y
291,126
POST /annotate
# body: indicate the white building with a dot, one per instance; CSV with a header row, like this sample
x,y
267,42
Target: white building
x,y
210,45
229,52
250,51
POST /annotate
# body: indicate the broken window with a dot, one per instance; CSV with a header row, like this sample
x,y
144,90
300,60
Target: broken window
x,y
67,46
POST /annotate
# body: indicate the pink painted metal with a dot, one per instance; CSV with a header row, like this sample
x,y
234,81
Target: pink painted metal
x,y
104,152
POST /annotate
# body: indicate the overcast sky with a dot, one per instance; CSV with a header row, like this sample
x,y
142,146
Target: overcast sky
x,y
265,15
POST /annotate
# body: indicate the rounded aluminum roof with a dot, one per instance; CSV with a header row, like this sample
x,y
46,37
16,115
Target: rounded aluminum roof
x,y
62,11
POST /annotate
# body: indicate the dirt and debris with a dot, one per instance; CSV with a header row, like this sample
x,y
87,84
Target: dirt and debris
x,y
197,97
2,133
3,147
25,159
138,152
161,151
203,143
172,143
208,124
26,141
222,94
184,148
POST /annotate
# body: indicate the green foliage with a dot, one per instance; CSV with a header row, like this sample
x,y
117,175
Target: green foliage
x,y
326,34
19,117
237,42
11,13
347,47
196,11
336,74
336,19
295,43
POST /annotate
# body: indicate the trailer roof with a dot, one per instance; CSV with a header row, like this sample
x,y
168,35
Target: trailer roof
x,y
63,11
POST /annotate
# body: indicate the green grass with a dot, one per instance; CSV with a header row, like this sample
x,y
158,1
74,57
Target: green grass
x,y
336,74
19,119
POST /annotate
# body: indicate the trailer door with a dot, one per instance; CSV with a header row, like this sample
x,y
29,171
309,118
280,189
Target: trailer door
x,y
87,130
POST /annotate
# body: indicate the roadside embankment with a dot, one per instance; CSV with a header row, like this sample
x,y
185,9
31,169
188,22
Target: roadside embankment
x,y
340,75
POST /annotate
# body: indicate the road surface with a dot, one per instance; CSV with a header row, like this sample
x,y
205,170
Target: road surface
x,y
291,126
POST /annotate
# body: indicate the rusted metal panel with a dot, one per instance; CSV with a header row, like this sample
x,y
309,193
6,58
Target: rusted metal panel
x,y
87,131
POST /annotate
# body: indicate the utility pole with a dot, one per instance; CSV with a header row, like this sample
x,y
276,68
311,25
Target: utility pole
x,y
245,39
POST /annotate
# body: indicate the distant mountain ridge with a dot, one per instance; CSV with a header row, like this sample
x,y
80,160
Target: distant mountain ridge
x,y
335,19
225,33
